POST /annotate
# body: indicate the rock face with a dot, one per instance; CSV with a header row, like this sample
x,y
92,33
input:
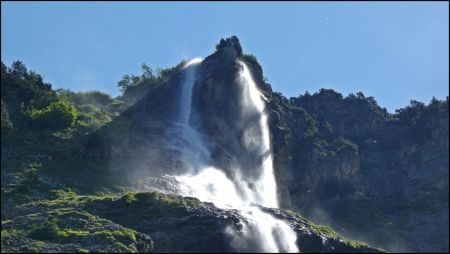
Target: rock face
x,y
176,224
373,175
345,162
179,224
220,113
141,222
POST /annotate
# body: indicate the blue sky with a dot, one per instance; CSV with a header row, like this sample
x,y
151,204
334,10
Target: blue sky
x,y
394,51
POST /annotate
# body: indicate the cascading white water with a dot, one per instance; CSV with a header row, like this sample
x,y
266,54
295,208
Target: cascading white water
x,y
185,139
263,233
186,89
257,137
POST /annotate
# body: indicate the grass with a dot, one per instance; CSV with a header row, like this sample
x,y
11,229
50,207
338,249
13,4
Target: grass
x,y
71,225
126,235
67,197
328,231
72,233
169,200
11,232
129,197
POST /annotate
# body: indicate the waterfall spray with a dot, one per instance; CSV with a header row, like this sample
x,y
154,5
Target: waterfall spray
x,y
263,232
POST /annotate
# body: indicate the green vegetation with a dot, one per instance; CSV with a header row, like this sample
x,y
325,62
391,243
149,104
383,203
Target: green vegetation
x,y
59,115
6,124
46,231
129,197
44,144
22,89
127,235
249,58
62,220
327,231
134,87
168,200
344,143
59,192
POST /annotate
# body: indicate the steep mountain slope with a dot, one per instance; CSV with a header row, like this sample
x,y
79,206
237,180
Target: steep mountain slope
x,y
345,162
375,176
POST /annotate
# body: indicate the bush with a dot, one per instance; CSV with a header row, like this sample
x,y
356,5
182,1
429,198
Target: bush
x,y
116,106
93,116
58,115
96,98
344,143
46,231
249,58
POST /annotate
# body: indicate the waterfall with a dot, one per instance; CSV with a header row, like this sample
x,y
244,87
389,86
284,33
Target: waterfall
x,y
263,232
186,90
185,138
257,138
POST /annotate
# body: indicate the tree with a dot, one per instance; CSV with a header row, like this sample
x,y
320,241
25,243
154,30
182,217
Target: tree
x,y
22,89
19,68
147,72
124,83
411,113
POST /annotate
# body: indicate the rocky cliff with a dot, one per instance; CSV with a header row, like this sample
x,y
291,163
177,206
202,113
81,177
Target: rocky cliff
x,y
374,176
64,221
341,161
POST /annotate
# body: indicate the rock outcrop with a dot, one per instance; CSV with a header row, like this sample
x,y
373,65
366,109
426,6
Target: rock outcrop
x,y
346,162
140,222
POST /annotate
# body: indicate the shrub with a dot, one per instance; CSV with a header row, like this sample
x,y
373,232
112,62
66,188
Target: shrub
x,y
96,98
344,143
116,106
249,58
57,116
46,231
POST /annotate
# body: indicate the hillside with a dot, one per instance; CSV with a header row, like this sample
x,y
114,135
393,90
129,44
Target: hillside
x,y
82,171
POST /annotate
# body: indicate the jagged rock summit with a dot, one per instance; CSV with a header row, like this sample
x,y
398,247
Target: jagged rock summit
x,y
230,47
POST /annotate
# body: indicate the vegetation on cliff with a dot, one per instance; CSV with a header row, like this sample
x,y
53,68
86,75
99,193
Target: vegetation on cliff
x,y
343,161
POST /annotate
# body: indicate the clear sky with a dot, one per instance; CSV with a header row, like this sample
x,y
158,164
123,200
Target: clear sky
x,y
394,51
